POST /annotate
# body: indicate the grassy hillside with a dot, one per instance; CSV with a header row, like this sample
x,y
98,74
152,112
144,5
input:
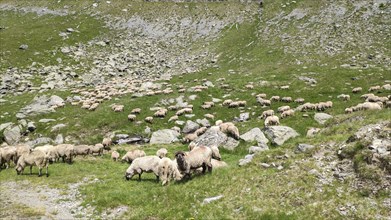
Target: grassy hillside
x,y
341,45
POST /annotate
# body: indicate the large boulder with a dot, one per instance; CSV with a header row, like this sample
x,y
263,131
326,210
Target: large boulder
x,y
321,118
279,134
190,127
165,136
41,105
254,134
12,135
213,136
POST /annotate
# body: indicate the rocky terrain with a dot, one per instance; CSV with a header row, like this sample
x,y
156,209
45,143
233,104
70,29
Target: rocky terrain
x,y
152,74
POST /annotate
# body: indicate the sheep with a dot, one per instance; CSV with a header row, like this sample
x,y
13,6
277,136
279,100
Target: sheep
x,y
242,103
206,106
65,151
267,113
261,95
371,106
118,108
365,96
82,150
272,120
188,109
132,155
306,106
284,87
209,116
386,86
167,170
37,158
388,104
357,90
348,110
230,129
233,105
284,108
227,102
106,142
218,122
131,117
180,112
344,97
173,118
198,157
200,131
44,148
149,119
114,155
162,152
21,149
96,149
190,137
136,111
172,108
275,98
286,99
209,103
287,113
160,113
374,88
192,145
6,155
299,100
249,86
93,107
264,102
146,164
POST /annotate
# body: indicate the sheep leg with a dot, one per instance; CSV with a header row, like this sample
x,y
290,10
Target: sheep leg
x,y
47,171
210,168
139,177
203,168
40,172
157,178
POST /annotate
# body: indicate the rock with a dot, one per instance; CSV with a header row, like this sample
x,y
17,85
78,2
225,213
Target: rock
x,y
147,130
312,132
243,117
56,101
247,159
254,134
12,135
203,122
70,30
321,118
279,134
46,120
5,125
308,80
256,149
42,105
121,136
57,127
23,47
190,127
165,136
59,139
303,148
213,136
180,123
40,141
216,100
264,165
20,115
211,199
208,84
192,97
132,140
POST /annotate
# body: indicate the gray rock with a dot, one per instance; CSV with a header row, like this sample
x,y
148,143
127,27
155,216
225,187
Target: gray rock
x,y
279,134
189,115
254,134
39,141
203,122
178,122
321,118
214,136
256,149
55,101
303,148
46,120
41,105
23,47
165,136
23,123
312,132
121,136
5,125
57,127
59,139
192,97
216,100
243,117
12,135
247,159
308,80
211,199
208,84
20,115
190,127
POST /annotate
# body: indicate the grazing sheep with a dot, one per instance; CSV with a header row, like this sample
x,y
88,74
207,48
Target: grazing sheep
x,y
249,86
145,164
218,122
374,88
283,108
386,86
306,106
198,157
180,112
267,113
284,87
227,102
299,100
118,108
188,109
131,117
173,118
348,110
344,97
209,103
149,119
242,103
160,113
371,106
206,106
132,155
233,105
272,120
6,155
136,111
286,99
190,137
261,95
200,131
365,96
96,149
114,155
264,102
287,113
230,129
93,107
167,170
34,158
192,145
106,142
64,151
21,149
275,98
357,90
172,108
209,116
162,152
82,150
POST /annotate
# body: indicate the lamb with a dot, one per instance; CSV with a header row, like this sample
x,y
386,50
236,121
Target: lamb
x,y
96,149
198,157
6,155
37,158
149,119
287,113
348,110
146,164
162,152
272,120
357,90
132,155
131,117
267,113
114,155
167,170
136,111
230,129
82,150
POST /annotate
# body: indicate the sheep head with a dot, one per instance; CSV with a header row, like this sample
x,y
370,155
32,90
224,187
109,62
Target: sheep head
x,y
180,158
215,153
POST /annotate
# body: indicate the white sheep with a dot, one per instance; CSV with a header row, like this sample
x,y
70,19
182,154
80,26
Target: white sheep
x,y
267,113
344,97
286,99
173,118
6,155
275,98
161,113
204,106
131,117
227,102
64,151
132,155
287,113
299,100
114,155
374,88
230,129
272,120
136,111
162,152
284,108
168,169
357,90
106,142
34,158
200,131
96,149
145,164
348,110
190,137
264,102
209,116
82,150
149,119
261,95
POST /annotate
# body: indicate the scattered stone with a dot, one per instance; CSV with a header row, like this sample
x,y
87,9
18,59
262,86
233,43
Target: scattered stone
x,y
303,148
256,149
321,118
208,84
12,135
203,122
59,139
180,123
213,136
46,120
5,125
190,127
254,134
165,136
247,159
211,199
23,47
57,127
192,97
242,117
279,134
70,30
312,132
264,165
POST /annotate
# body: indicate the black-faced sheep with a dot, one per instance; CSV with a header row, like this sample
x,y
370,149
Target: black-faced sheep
x,y
132,155
145,164
275,98
162,152
161,113
34,158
